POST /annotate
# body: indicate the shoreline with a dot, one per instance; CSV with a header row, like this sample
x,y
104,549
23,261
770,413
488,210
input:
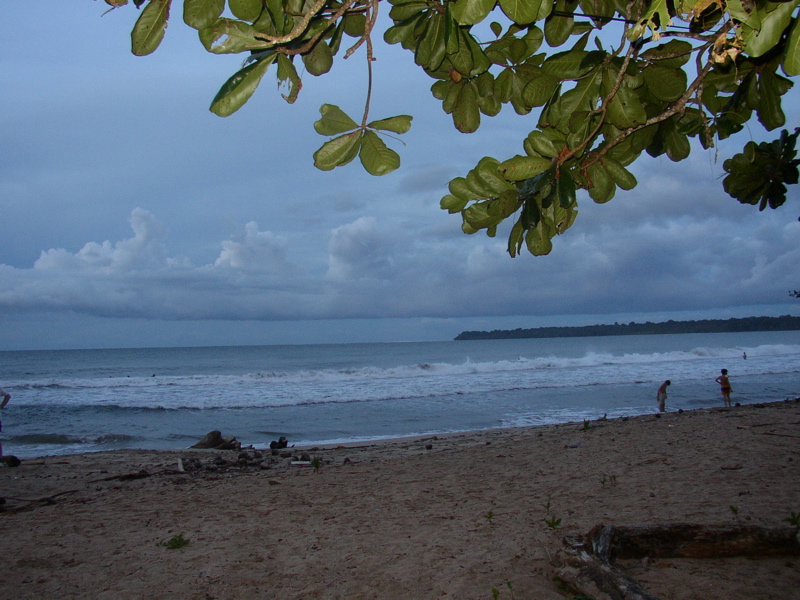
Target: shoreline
x,y
444,516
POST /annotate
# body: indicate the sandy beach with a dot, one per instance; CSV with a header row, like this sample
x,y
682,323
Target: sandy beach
x,y
440,517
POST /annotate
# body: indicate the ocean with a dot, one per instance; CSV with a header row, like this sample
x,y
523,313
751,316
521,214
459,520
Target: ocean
x,y
69,401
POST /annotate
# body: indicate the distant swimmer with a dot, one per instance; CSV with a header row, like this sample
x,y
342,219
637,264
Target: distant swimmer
x,y
744,355
725,386
662,396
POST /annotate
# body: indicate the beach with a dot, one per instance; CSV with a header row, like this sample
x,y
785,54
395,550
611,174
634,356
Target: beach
x,y
445,516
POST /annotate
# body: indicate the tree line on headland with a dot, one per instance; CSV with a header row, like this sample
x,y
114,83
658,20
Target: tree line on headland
x,y
784,323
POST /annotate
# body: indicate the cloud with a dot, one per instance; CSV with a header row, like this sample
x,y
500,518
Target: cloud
x,y
257,251
144,251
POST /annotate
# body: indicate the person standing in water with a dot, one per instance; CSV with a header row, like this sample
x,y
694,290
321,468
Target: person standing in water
x,y
662,396
725,386
4,398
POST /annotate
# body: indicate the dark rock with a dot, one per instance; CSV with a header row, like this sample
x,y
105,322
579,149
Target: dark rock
x,y
10,461
281,443
212,439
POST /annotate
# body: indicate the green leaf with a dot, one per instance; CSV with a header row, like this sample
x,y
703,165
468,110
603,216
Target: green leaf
x,y
470,12
432,47
150,27
539,89
376,157
522,12
461,188
452,204
602,187
246,10
673,54
520,168
558,28
538,239
466,113
771,87
334,121
760,173
338,151
320,60
402,11
227,36
791,59
398,124
626,108
621,176
199,14
760,40
539,144
287,75
665,84
355,25
241,85
572,64
488,173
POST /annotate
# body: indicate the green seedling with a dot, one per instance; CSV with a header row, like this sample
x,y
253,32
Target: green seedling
x,y
734,510
489,516
175,542
546,506
793,520
316,463
585,425
552,522
495,593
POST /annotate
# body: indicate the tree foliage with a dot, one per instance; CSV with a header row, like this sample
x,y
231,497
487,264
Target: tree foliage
x,y
609,80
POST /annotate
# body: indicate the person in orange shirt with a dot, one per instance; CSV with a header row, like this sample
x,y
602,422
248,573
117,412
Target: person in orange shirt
x,y
725,386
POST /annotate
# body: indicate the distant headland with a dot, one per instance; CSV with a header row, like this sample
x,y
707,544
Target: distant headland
x,y
784,323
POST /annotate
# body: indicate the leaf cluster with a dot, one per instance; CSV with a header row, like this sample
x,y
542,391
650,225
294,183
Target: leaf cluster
x,y
610,81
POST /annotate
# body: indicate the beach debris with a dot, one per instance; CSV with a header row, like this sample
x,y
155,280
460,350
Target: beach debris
x,y
9,460
281,443
213,440
587,561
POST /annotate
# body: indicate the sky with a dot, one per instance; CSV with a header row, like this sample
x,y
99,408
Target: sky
x,y
134,217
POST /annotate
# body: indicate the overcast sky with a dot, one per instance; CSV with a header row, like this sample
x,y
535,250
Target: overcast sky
x,y
133,216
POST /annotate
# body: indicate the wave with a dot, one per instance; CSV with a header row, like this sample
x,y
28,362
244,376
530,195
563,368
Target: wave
x,y
60,439
276,388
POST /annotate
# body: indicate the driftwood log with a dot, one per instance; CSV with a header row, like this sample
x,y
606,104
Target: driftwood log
x,y
588,561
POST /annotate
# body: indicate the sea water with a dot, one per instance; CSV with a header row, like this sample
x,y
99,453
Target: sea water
x,y
69,401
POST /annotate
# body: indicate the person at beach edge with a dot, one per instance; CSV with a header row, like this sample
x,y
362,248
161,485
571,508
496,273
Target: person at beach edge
x,y
662,396
5,398
725,386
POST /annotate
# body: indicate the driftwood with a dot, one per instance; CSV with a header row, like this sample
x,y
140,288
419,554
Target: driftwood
x,y
32,503
588,566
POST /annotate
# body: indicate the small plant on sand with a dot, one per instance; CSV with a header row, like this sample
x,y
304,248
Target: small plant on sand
x,y
496,592
608,479
585,424
489,516
175,542
793,519
546,506
316,463
552,522
734,510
